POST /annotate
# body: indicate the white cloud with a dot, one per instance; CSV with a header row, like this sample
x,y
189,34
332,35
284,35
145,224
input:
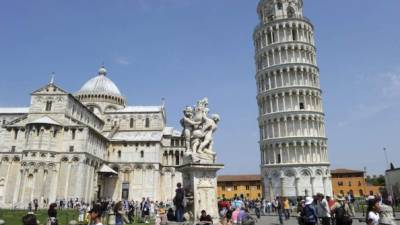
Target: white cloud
x,y
384,89
122,60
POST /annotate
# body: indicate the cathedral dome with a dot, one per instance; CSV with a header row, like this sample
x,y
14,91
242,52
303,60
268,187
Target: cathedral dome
x,y
100,85
100,93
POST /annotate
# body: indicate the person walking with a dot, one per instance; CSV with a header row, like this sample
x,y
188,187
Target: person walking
x,y
178,202
258,208
323,210
342,212
279,208
309,213
286,208
119,213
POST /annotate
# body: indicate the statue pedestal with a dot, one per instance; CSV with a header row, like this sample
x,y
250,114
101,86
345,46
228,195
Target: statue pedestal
x,y
200,184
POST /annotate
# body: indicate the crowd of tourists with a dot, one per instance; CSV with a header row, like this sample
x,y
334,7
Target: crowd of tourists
x,y
124,212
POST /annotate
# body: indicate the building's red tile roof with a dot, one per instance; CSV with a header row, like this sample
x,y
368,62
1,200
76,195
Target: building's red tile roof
x,y
345,171
233,178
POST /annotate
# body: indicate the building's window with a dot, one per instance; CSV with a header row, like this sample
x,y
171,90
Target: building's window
x,y
223,188
301,105
340,183
258,187
235,188
177,159
273,37
247,195
280,5
48,105
119,154
259,195
13,148
294,34
71,148
131,121
15,134
279,158
271,18
54,133
147,123
73,134
342,192
142,154
247,187
269,39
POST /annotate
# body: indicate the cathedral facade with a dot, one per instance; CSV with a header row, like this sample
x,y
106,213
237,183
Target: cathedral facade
x,y
89,145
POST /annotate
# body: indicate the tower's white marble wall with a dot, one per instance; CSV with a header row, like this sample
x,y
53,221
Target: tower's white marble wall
x,y
293,146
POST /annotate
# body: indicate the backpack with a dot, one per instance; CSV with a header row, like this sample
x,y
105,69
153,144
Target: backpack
x,y
309,215
341,217
340,213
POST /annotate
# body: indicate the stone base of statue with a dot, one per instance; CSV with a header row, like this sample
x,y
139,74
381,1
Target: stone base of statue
x,y
200,184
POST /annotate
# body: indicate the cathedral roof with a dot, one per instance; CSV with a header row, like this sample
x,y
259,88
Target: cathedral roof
x,y
130,109
100,85
45,120
14,110
136,136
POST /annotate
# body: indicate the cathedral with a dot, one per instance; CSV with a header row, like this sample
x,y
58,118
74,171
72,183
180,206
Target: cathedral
x,y
89,145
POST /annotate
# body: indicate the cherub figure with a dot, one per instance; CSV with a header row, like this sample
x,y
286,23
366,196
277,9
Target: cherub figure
x,y
188,124
209,127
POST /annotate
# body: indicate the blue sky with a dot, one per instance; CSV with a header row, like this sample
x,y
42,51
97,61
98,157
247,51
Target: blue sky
x,y
183,50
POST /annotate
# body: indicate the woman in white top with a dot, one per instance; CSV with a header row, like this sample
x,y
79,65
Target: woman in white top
x,y
373,212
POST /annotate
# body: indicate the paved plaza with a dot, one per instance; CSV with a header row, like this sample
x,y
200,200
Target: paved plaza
x,y
293,221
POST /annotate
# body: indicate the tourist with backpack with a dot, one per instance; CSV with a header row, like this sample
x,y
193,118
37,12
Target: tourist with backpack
x,y
342,212
309,213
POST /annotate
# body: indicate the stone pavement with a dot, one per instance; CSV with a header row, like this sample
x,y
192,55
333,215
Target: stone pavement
x,y
273,220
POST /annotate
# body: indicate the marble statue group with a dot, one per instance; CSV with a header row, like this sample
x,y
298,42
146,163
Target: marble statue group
x,y
198,130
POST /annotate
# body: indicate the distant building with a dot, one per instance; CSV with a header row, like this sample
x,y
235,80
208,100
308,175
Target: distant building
x,y
392,181
346,181
247,186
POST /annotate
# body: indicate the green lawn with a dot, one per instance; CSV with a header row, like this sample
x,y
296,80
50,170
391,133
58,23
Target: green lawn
x,y
13,217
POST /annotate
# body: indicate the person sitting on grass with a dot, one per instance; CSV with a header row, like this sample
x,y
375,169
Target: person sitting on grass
x,y
29,219
95,215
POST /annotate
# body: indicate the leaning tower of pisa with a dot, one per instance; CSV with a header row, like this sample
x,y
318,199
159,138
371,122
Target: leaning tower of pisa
x,y
293,144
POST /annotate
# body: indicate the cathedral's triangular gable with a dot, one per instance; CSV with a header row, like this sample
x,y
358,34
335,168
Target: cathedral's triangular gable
x,y
19,122
50,88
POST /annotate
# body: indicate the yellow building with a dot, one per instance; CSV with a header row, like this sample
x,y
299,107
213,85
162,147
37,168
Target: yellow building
x,y
246,186
346,181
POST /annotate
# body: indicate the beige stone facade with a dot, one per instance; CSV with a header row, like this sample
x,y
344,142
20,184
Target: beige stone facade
x,y
55,148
